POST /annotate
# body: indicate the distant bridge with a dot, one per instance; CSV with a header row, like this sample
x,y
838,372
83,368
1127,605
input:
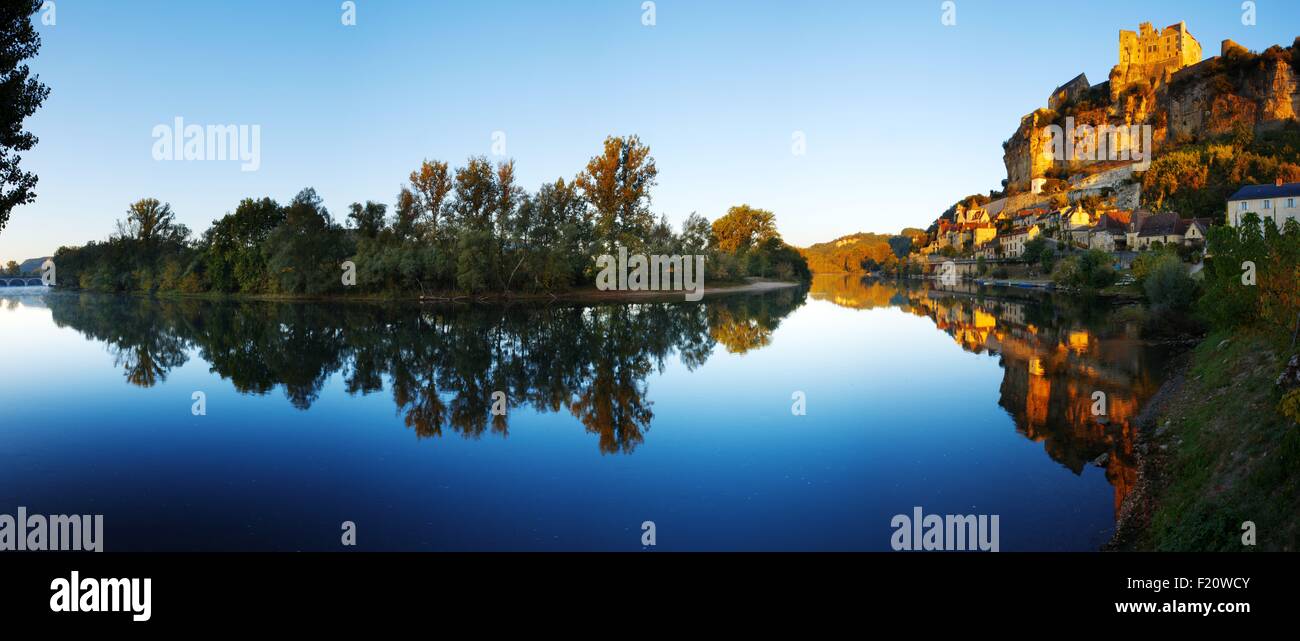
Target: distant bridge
x,y
21,281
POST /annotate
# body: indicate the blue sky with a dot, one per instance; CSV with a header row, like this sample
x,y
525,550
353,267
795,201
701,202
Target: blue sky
x,y
902,115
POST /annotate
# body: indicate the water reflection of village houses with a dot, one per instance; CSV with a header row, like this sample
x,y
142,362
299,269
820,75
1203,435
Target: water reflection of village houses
x,y
1054,357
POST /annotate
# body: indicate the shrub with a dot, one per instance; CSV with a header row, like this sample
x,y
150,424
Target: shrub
x,y
1144,263
1289,406
1090,270
1066,272
1040,251
1168,286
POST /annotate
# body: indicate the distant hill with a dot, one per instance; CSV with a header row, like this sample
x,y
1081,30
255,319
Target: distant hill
x,y
845,254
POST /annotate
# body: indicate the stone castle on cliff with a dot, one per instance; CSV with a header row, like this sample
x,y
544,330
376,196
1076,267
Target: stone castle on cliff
x,y
1153,56
1145,55
1160,82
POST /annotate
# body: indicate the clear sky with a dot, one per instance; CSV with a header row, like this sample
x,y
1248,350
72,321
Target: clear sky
x,y
902,115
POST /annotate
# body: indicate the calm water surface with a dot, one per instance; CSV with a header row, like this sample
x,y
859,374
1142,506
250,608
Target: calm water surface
x,y
964,401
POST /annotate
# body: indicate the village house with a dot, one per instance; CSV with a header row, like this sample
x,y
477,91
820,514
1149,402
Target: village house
x,y
952,237
981,233
1148,228
1075,224
973,215
1049,220
995,208
1276,202
1013,244
1027,218
1110,234
1168,228
1195,231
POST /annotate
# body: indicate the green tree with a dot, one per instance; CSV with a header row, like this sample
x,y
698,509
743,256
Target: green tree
x,y
901,246
235,249
559,235
696,236
476,194
1168,286
1042,252
477,250
21,94
1228,301
149,222
511,232
1090,270
368,220
408,215
307,249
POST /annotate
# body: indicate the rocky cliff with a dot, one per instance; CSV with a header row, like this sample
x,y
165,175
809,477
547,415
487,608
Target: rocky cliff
x,y
1217,96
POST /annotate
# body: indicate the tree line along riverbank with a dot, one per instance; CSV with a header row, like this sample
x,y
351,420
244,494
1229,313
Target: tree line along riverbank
x,y
458,231
1219,445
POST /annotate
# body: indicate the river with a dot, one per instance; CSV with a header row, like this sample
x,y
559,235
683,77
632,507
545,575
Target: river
x,y
785,420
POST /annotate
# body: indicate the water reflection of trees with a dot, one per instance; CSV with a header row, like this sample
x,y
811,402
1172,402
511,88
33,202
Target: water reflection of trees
x,y
1055,351
440,363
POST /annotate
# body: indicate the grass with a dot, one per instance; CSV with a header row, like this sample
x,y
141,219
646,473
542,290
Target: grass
x,y
1231,457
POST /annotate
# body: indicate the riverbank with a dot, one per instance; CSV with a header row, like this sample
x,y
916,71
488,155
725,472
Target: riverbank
x,y
748,286
1213,454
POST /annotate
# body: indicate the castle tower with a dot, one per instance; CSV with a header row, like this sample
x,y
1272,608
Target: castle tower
x,y
1152,56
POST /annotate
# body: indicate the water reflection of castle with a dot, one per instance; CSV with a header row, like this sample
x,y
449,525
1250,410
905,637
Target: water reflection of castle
x,y
1054,358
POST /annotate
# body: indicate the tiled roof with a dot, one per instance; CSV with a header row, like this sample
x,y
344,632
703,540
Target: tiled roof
x,y
1166,224
1081,77
1113,222
994,208
1184,224
1255,192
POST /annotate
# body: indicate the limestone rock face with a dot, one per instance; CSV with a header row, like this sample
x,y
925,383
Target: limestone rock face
x,y
1196,102
1201,105
1030,154
1280,101
1025,154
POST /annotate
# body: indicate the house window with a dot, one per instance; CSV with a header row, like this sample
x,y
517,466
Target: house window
x,y
1243,206
1268,204
1290,203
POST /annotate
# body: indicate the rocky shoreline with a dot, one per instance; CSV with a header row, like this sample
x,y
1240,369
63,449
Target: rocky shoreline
x,y
1135,512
